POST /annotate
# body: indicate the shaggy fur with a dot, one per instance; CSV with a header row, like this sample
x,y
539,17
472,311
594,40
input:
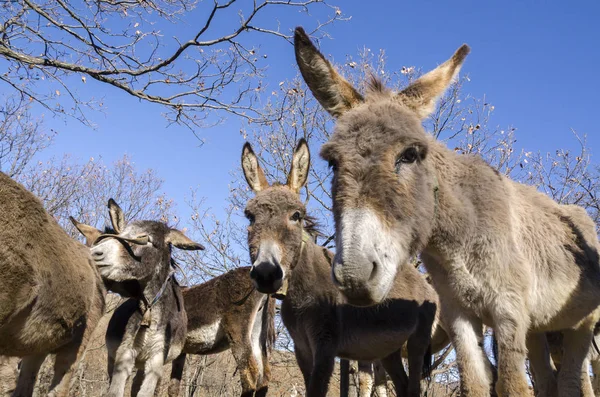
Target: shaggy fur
x,y
321,325
140,334
228,313
51,295
498,252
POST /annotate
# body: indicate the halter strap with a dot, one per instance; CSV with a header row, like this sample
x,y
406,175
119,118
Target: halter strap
x,y
436,196
282,292
143,240
147,315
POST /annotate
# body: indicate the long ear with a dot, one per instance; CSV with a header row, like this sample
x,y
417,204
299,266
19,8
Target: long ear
x,y
300,166
117,217
332,91
254,174
89,232
421,95
179,240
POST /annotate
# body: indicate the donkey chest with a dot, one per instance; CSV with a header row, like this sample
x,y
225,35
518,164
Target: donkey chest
x,y
151,342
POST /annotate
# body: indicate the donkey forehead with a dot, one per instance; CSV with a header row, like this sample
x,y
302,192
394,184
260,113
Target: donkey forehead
x,y
137,228
374,127
274,199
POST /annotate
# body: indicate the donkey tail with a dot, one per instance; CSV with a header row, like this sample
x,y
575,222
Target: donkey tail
x,y
267,333
427,363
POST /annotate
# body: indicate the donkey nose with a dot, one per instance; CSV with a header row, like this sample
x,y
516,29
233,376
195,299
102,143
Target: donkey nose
x,y
267,277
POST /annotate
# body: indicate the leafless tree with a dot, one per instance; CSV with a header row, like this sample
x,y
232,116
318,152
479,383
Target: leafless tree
x,y
69,187
52,47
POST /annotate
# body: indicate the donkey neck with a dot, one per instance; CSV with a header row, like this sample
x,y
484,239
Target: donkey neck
x,y
311,277
158,285
458,179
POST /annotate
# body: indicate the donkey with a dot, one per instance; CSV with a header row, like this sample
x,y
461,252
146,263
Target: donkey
x,y
51,294
149,329
287,261
499,252
228,313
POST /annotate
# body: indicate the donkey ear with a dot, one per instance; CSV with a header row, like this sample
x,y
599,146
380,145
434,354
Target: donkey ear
x,y
179,240
422,95
300,166
90,233
254,174
117,217
332,91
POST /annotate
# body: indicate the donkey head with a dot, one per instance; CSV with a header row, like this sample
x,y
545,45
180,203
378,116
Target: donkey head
x,y
276,217
384,186
139,251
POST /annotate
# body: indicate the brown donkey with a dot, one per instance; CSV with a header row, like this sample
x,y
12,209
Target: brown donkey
x,y
51,295
286,258
148,330
499,252
228,313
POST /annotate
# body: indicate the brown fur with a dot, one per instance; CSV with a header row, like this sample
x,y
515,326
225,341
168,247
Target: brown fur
x,y
231,302
51,296
320,323
499,252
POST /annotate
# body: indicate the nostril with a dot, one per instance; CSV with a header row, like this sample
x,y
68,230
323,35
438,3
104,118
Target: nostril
x,y
374,268
97,255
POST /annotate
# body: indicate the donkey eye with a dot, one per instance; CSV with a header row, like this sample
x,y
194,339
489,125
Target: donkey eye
x,y
410,155
296,216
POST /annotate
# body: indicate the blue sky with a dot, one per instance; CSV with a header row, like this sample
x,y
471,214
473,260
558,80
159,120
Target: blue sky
x,y
536,62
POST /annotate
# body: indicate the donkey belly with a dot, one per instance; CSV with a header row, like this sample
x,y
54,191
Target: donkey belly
x,y
206,339
375,332
369,346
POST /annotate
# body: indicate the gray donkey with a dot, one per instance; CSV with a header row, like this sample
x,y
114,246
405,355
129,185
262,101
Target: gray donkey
x,y
51,295
148,330
499,252
287,261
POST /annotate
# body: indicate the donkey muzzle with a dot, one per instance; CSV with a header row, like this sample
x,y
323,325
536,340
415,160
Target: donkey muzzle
x,y
267,277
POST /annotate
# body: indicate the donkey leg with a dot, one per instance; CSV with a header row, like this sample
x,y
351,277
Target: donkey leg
x,y
576,344
247,367
176,375
365,378
394,367
541,366
30,367
305,363
123,364
417,349
510,328
596,374
380,380
466,333
136,384
152,374
586,383
263,385
324,362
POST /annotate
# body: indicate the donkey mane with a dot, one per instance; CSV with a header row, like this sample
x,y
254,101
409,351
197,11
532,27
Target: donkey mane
x,y
312,226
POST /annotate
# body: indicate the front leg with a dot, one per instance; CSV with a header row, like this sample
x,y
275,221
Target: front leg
x,y
152,374
541,365
324,361
576,345
467,337
122,368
